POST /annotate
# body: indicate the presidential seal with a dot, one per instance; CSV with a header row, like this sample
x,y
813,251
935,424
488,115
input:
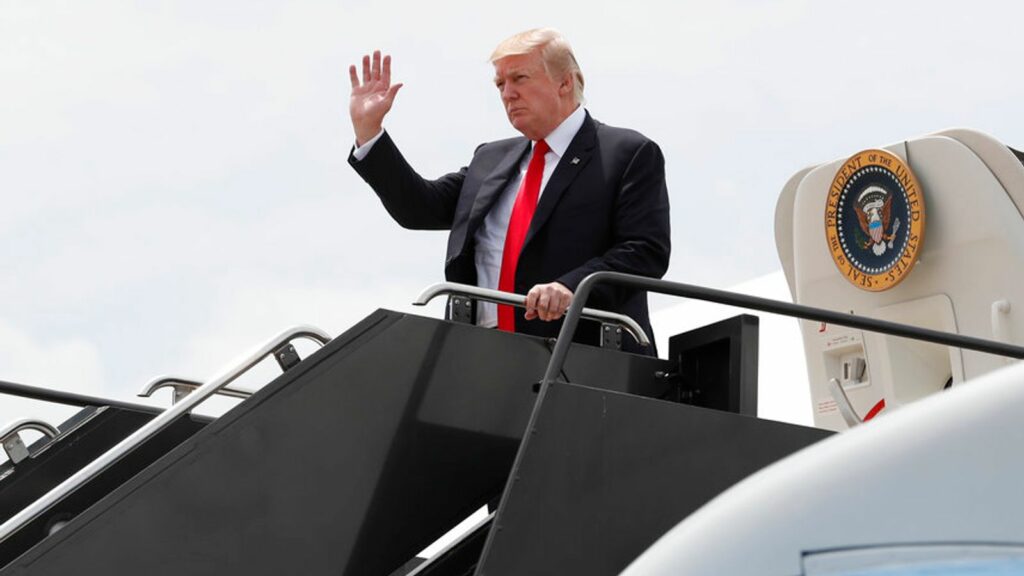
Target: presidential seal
x,y
874,220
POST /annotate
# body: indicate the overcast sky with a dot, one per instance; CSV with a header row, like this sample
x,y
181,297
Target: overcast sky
x,y
174,180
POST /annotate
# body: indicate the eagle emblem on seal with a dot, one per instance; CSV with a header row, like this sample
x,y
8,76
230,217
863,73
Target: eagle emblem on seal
x,y
874,219
874,212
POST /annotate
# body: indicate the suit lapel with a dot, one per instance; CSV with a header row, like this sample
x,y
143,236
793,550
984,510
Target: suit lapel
x,y
569,166
491,188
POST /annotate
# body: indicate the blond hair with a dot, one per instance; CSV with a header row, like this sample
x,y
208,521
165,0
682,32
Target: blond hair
x,y
555,52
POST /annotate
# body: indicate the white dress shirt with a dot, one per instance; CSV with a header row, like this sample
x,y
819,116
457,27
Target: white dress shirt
x,y
490,237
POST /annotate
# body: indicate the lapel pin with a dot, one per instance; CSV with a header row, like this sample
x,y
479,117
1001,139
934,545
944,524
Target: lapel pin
x,y
575,160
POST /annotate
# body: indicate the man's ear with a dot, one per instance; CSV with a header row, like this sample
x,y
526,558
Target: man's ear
x,y
566,86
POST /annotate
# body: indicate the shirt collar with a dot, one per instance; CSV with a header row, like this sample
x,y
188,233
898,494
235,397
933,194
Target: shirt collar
x,y
561,137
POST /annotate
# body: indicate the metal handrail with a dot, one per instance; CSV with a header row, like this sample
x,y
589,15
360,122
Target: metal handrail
x,y
518,300
11,440
843,402
184,384
28,424
69,398
572,317
94,468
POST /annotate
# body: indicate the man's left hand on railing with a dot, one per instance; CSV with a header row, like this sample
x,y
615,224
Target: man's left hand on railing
x,y
547,301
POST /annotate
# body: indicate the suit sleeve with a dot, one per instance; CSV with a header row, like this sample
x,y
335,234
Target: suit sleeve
x,y
413,201
641,232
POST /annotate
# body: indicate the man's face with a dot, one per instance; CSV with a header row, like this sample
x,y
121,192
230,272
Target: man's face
x,y
534,102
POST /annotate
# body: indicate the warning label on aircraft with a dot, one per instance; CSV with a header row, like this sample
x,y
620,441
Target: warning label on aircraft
x,y
874,220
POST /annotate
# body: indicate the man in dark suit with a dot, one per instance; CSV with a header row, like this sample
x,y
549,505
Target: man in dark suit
x,y
533,214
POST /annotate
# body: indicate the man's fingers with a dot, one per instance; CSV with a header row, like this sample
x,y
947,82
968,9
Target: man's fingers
x,y
392,91
366,69
555,304
563,304
353,76
375,70
547,301
543,302
386,76
531,303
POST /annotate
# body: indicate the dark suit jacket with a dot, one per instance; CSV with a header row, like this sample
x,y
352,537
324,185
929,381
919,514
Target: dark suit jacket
x,y
608,210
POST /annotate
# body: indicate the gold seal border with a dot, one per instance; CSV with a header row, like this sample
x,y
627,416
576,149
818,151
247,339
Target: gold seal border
x,y
915,201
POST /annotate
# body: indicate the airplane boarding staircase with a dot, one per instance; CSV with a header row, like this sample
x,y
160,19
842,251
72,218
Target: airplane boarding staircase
x,y
375,445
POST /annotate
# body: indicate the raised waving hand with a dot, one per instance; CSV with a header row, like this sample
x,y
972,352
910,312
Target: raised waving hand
x,y
372,98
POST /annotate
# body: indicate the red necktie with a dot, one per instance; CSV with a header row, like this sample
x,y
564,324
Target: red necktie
x,y
518,226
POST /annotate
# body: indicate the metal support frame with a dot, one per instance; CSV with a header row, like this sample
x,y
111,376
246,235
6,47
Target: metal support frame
x,y
286,356
461,309
182,387
611,336
157,424
15,447
621,321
